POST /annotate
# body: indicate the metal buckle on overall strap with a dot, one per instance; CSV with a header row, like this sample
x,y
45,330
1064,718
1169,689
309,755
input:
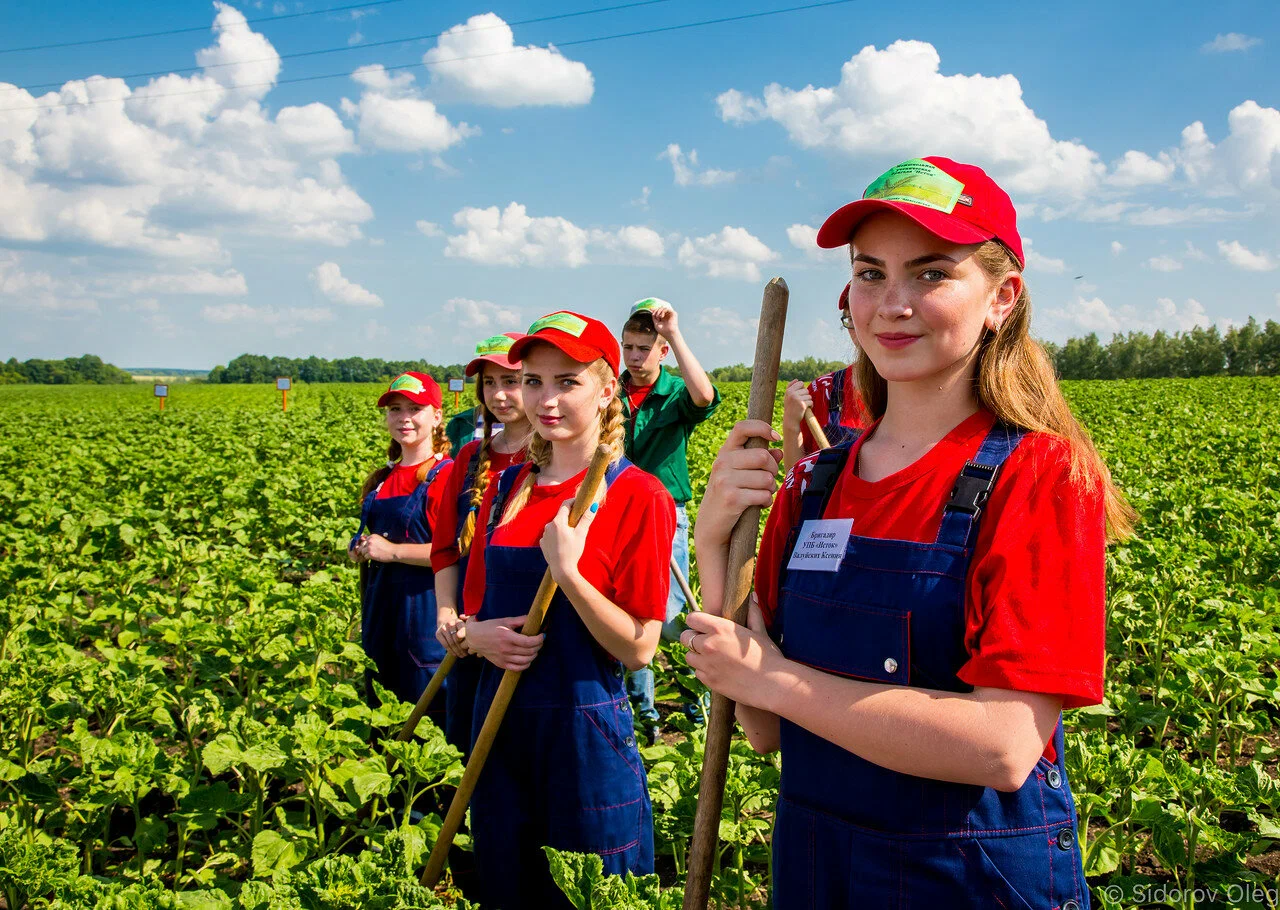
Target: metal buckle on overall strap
x,y
973,488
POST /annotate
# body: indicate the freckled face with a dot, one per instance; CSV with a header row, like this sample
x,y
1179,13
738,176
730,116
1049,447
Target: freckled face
x,y
562,397
918,304
503,393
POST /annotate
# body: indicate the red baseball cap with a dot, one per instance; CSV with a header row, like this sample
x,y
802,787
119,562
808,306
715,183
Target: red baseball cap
x,y
957,202
844,296
581,337
417,387
495,350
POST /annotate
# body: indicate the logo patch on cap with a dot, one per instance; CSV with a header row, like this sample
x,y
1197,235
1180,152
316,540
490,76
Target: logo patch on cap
x,y
648,305
564,322
494,344
406,383
918,182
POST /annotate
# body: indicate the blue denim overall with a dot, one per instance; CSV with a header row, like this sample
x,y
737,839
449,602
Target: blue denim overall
x,y
850,833
564,771
460,687
398,603
835,431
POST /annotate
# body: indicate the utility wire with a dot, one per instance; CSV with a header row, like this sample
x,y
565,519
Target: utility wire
x,y
345,47
193,28
404,66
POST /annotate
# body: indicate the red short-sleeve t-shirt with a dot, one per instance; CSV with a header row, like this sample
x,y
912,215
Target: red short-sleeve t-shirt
x,y
403,480
853,413
444,551
628,551
1035,597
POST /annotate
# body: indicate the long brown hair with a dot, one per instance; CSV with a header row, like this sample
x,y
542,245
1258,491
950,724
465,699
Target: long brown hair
x,y
1016,382
612,434
440,445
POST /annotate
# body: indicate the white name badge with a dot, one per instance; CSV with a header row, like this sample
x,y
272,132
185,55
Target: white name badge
x,y
821,545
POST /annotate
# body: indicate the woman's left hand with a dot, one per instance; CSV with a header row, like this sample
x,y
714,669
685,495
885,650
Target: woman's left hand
x,y
378,548
729,658
562,545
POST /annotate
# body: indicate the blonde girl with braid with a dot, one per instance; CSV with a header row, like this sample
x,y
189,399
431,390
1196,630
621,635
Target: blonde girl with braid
x,y
505,442
569,726
400,503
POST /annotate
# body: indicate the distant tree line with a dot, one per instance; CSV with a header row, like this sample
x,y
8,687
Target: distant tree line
x,y
71,371
1252,349
259,368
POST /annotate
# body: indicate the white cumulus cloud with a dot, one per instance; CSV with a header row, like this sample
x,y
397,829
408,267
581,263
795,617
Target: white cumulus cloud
x,y
731,252
1229,42
197,281
1242,257
896,101
1140,169
1164,264
684,168
480,316
329,281
512,236
1116,248
479,61
393,116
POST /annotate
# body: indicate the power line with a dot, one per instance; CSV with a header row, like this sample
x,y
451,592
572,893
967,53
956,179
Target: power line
x,y
343,48
403,66
193,28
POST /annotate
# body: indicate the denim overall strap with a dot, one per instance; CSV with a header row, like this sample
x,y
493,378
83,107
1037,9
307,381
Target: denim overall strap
x,y
365,505
506,482
835,398
973,487
569,727
893,613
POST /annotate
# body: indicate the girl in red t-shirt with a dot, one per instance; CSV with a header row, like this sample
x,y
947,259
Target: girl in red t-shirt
x,y
564,770
931,595
498,389
399,505
835,401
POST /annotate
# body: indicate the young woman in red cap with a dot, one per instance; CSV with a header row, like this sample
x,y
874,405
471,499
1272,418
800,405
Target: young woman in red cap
x,y
505,442
564,770
931,594
835,401
397,514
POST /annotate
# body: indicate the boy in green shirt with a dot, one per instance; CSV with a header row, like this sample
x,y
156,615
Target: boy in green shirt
x,y
661,412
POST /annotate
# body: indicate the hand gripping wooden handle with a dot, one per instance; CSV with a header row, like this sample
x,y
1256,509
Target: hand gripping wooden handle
x,y
507,687
737,586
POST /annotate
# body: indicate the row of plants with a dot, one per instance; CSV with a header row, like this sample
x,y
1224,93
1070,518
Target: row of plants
x,y
182,717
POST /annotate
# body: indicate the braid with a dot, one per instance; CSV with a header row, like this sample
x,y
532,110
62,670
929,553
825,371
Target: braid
x,y
440,446
479,484
378,475
540,455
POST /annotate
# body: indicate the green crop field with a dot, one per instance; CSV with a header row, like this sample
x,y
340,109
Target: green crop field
x,y
181,718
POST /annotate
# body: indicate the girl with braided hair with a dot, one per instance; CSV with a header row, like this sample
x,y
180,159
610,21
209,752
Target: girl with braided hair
x,y
504,443
399,504
569,727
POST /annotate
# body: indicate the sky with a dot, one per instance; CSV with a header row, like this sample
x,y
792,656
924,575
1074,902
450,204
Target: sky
x,y
318,184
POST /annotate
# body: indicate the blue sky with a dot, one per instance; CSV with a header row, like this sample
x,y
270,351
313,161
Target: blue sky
x,y
438,191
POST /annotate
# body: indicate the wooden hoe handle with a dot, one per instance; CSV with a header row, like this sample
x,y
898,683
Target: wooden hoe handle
x,y
737,586
507,687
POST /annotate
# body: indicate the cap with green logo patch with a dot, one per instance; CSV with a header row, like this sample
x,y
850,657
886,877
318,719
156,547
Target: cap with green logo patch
x,y
417,387
957,202
496,350
581,337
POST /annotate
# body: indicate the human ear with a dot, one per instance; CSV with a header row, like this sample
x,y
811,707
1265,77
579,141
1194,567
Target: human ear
x,y
1005,296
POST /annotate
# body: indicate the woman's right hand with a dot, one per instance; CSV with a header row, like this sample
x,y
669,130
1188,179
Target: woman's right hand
x,y
451,631
740,478
500,642
353,551
794,402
